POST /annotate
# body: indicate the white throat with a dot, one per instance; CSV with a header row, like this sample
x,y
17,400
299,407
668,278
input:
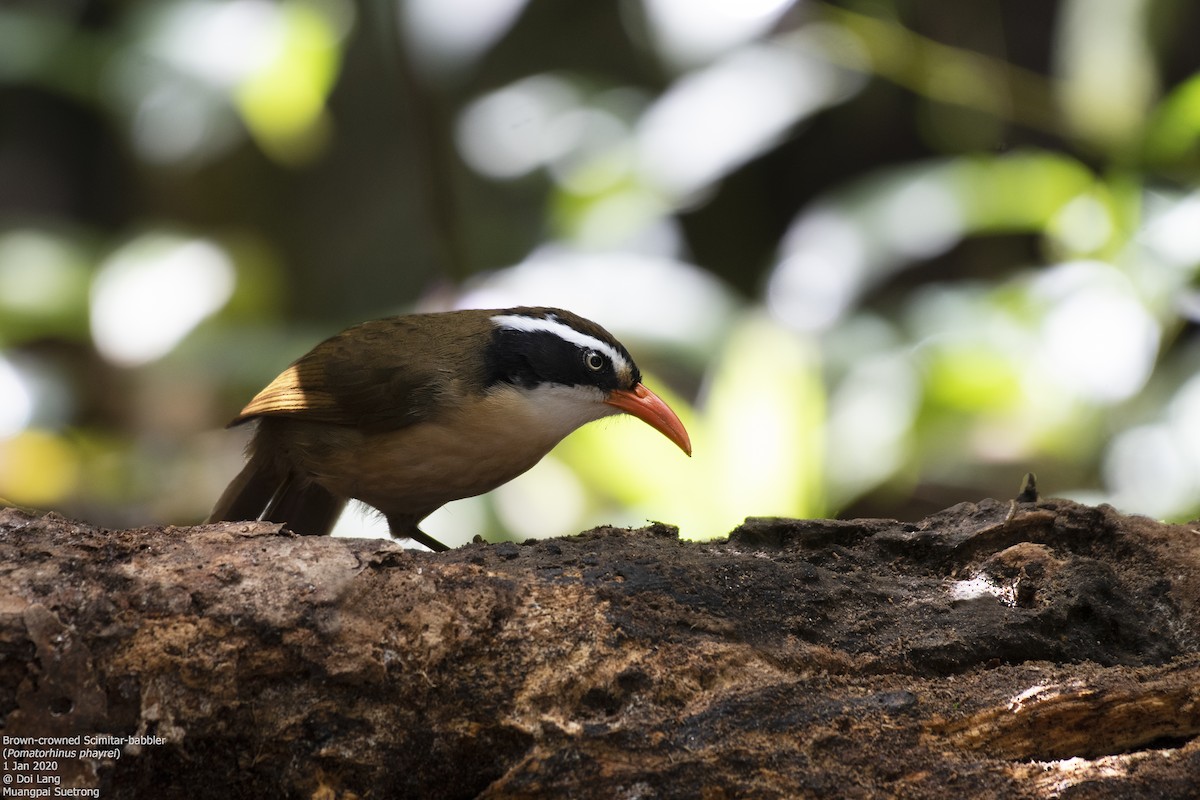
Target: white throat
x,y
548,411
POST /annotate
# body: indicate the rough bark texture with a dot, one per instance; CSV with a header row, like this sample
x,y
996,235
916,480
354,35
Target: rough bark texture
x,y
999,649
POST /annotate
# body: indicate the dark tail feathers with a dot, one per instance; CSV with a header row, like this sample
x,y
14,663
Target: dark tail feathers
x,y
260,492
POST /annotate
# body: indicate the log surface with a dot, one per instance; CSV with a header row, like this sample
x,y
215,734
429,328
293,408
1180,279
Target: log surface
x,y
997,649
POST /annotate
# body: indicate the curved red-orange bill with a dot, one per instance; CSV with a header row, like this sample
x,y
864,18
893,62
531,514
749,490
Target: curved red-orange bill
x,y
650,409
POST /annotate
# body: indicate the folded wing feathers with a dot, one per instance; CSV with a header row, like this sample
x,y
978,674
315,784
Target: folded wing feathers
x,y
298,391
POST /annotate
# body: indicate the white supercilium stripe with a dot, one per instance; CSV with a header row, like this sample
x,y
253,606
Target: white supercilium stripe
x,y
563,331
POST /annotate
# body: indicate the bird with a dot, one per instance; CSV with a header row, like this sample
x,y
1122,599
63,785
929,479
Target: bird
x,y
408,413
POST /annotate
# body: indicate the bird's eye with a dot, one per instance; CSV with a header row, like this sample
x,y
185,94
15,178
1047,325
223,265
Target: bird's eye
x,y
594,361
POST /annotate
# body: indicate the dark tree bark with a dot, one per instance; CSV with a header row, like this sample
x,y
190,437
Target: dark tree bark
x,y
1000,649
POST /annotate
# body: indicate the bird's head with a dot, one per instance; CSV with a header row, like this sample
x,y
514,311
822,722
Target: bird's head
x,y
577,366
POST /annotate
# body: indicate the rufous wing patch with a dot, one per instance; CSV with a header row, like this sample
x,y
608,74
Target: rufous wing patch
x,y
297,391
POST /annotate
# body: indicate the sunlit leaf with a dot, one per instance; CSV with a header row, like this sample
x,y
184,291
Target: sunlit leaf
x,y
972,377
1174,129
1019,192
283,103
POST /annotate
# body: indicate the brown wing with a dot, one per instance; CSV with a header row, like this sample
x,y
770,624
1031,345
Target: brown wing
x,y
380,375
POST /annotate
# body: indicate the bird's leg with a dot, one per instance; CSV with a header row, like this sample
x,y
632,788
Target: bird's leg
x,y
405,527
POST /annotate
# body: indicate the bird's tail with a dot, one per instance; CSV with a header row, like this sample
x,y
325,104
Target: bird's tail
x,y
262,492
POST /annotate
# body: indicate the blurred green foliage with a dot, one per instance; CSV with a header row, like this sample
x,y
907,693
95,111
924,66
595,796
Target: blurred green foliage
x,y
882,255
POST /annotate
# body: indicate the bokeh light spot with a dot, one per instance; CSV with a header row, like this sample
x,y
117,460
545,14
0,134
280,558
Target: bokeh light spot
x,y
16,400
37,468
690,32
1097,338
153,291
711,121
548,500
510,132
